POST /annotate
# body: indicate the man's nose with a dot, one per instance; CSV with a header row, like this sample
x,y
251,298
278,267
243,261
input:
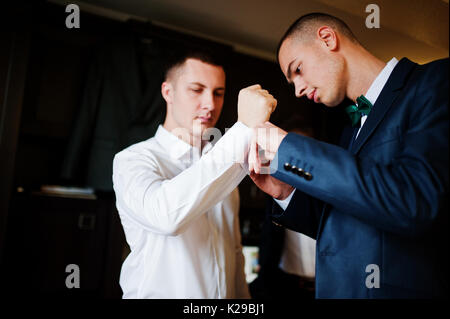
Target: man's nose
x,y
208,101
300,88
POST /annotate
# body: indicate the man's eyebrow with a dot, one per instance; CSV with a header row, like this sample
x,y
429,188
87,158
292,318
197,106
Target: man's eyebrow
x,y
204,86
288,77
198,83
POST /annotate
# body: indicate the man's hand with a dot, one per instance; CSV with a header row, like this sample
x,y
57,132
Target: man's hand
x,y
268,137
255,105
272,186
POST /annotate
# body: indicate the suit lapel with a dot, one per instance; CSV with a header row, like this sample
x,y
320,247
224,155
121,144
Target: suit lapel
x,y
385,100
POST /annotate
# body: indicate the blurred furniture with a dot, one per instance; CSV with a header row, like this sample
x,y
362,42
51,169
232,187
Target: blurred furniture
x,y
48,232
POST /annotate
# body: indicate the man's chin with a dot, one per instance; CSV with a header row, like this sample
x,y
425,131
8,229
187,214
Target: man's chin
x,y
332,103
206,126
200,128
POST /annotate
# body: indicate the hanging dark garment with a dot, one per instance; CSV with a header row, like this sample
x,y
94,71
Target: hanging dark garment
x,y
121,105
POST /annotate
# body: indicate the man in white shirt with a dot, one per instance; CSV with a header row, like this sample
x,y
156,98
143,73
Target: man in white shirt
x,y
176,192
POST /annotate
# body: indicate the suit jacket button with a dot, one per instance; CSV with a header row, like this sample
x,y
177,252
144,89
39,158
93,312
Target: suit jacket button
x,y
287,166
300,172
294,169
307,176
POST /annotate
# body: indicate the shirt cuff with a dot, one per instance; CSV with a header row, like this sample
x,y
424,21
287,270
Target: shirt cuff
x,y
284,203
242,135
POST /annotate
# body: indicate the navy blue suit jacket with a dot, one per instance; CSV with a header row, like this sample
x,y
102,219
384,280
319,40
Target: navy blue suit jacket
x,y
382,199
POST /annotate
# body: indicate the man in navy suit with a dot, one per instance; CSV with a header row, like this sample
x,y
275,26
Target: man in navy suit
x,y
377,204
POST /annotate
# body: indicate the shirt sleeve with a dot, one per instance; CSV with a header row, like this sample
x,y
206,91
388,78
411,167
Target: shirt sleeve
x,y
241,286
168,206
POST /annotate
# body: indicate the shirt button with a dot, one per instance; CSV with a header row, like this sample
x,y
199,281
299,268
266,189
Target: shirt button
x,y
307,176
287,166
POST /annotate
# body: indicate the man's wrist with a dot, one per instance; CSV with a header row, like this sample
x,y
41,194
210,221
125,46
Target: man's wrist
x,y
285,192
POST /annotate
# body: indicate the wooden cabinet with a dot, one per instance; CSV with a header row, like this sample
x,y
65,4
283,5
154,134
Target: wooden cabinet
x,y
48,233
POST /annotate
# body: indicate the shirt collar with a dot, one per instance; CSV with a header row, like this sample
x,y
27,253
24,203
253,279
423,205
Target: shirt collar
x,y
379,82
175,146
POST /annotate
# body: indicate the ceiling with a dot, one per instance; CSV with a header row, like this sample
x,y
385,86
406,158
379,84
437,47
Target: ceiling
x,y
418,29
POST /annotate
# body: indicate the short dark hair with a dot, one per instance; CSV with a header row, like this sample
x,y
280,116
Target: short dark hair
x,y
176,58
305,27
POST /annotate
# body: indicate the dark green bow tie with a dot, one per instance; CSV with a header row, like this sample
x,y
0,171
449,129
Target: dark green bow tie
x,y
356,111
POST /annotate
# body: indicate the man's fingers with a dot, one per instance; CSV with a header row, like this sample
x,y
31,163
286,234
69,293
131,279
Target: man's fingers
x,y
250,159
254,176
274,104
255,105
254,86
254,160
257,167
251,154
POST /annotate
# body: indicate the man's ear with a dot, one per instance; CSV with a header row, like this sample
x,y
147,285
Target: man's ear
x,y
328,37
166,91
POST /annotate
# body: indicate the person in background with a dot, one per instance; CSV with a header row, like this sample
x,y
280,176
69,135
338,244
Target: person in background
x,y
286,257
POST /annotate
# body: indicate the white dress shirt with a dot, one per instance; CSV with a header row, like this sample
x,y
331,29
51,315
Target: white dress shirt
x,y
179,211
377,85
292,260
299,254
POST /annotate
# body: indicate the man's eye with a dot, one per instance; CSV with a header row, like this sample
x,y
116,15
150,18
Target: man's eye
x,y
219,94
196,90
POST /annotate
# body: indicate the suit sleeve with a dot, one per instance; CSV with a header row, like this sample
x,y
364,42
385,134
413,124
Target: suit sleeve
x,y
302,214
402,195
271,242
